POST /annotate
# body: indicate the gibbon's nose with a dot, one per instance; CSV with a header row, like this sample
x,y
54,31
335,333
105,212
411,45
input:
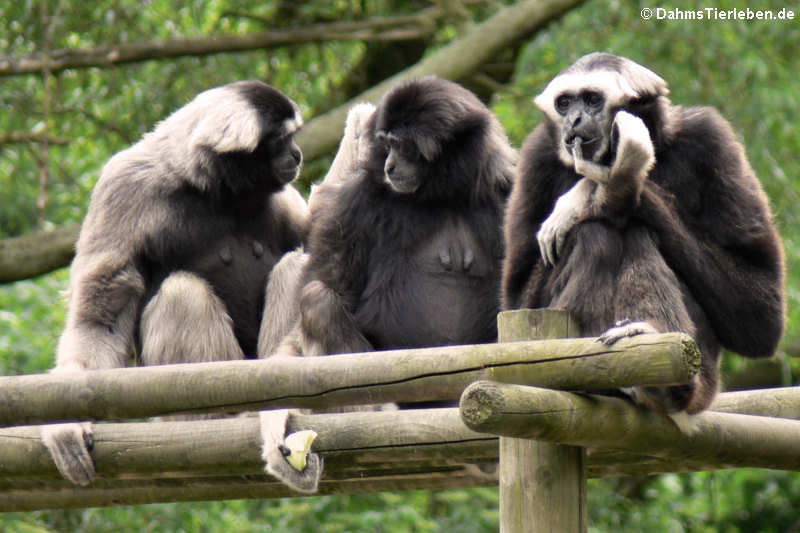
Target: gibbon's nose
x,y
297,155
574,118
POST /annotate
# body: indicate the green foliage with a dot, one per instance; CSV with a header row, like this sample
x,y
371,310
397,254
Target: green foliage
x,y
724,501
465,511
747,69
31,316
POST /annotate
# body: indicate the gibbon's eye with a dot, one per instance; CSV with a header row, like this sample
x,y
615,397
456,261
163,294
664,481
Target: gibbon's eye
x,y
562,103
404,149
383,140
280,144
593,99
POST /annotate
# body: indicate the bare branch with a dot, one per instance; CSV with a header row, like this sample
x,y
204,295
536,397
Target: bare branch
x,y
24,137
38,253
455,61
407,27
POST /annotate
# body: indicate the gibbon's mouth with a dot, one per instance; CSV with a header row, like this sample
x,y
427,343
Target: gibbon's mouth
x,y
581,148
287,174
572,139
403,186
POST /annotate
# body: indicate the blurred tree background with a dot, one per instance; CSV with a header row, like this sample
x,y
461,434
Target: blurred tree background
x,y
70,97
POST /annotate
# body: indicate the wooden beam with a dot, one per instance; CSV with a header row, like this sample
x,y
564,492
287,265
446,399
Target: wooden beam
x,y
713,438
542,484
147,462
781,402
189,460
317,382
196,448
104,493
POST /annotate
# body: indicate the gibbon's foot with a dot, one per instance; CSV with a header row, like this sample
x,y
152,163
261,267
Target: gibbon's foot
x,y
664,400
69,446
625,328
276,454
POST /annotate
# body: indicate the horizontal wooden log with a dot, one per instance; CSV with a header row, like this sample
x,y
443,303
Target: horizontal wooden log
x,y
351,379
198,460
780,402
715,439
123,492
233,445
16,495
218,459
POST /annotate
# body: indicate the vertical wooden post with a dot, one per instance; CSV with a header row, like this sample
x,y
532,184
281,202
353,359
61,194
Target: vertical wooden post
x,y
542,485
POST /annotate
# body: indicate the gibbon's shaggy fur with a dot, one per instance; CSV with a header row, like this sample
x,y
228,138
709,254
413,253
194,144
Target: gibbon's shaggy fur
x,y
648,218
406,247
175,252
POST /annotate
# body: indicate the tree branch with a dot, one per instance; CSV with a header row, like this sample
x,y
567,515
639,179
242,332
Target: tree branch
x,y
455,61
38,253
420,25
24,137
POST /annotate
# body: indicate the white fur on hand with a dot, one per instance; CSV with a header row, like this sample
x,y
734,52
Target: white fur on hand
x,y
273,452
566,214
634,138
354,146
69,445
625,328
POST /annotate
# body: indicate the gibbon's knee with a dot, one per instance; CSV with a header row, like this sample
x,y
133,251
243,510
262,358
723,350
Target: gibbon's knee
x,y
185,322
327,326
281,304
320,307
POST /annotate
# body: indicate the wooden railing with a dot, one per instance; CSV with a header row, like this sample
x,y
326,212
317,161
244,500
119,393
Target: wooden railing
x,y
515,389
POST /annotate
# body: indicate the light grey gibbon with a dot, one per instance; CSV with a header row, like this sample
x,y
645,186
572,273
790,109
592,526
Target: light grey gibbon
x,y
176,251
648,218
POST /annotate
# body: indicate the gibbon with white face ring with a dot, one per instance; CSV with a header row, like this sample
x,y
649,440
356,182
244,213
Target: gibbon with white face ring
x,y
648,218
176,250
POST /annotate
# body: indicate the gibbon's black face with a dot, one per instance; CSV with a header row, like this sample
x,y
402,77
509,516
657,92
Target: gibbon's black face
x,y
280,121
275,162
256,146
401,165
285,157
419,126
584,127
